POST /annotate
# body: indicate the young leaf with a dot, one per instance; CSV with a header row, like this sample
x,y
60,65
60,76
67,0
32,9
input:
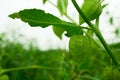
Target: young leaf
x,y
62,6
35,17
92,9
44,1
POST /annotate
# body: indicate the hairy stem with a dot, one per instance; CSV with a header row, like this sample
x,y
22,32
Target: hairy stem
x,y
97,32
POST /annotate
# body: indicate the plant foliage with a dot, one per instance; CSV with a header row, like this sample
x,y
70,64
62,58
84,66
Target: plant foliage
x,y
35,17
86,59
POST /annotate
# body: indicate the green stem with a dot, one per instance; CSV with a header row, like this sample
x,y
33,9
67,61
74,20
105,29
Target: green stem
x,y
82,14
68,17
97,22
107,48
24,68
52,3
85,28
97,32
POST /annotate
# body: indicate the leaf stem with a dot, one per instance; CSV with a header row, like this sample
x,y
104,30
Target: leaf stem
x,y
52,3
69,18
66,15
85,28
97,32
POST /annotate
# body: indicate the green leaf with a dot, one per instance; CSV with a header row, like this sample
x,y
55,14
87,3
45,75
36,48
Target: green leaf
x,y
92,9
71,28
35,17
4,77
62,6
44,1
58,31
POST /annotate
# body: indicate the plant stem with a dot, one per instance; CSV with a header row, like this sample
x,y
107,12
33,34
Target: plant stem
x,y
97,32
24,68
107,48
52,3
97,22
69,18
66,15
81,13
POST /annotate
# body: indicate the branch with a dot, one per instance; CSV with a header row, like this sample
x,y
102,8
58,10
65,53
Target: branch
x,y
97,32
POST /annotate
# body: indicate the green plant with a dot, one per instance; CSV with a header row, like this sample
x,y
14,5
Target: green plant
x,y
84,50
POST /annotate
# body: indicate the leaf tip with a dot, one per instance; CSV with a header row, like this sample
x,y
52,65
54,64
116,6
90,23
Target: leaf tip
x,y
14,15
